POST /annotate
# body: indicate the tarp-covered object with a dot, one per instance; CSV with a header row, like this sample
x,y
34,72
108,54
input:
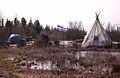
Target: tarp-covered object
x,y
97,37
23,42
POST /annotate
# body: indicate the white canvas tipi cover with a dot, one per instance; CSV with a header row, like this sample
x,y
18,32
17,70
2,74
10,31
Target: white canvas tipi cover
x,y
97,37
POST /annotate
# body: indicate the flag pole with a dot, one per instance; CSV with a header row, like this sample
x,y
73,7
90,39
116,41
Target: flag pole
x,y
63,30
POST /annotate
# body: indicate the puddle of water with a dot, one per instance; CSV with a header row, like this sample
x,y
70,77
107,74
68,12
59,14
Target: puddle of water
x,y
95,53
44,65
66,43
89,56
10,58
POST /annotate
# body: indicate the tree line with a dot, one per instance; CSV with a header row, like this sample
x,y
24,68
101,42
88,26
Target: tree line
x,y
114,32
34,29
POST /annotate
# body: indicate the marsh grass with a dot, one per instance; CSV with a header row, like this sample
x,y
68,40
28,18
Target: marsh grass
x,y
58,56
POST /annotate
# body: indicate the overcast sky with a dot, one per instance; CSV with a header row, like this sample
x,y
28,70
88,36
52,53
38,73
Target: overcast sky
x,y
53,12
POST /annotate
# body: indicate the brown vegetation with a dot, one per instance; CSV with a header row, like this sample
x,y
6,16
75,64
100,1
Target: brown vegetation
x,y
14,60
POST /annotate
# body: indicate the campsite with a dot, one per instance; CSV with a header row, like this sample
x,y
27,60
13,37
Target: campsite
x,y
30,51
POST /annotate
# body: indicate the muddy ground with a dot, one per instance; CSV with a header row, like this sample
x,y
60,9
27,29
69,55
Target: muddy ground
x,y
16,63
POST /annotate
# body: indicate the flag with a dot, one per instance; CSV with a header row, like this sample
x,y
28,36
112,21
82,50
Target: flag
x,y
61,28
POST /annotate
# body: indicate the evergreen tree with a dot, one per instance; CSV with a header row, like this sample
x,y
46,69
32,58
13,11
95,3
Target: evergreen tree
x,y
16,26
47,28
30,29
8,27
24,25
38,27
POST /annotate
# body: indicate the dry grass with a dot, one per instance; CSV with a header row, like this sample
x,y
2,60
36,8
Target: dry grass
x,y
56,55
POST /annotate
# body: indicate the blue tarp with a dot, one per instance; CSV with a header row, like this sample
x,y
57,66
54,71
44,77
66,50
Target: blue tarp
x,y
23,42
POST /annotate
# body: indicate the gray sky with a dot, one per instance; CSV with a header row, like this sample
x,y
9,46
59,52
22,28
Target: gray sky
x,y
53,12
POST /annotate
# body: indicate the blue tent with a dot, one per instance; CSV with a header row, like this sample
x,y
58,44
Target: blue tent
x,y
17,39
14,38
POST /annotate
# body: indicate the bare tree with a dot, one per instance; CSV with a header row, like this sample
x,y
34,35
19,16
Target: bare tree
x,y
76,28
76,25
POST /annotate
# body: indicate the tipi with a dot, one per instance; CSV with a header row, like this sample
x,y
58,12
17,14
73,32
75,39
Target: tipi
x,y
97,37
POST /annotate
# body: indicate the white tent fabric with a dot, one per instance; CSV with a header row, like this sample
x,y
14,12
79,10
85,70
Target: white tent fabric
x,y
97,37
13,35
